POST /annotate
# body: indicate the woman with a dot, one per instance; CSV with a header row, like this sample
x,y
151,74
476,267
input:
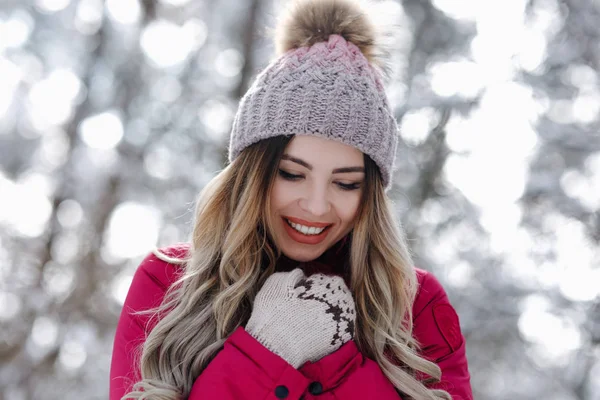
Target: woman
x,y
297,282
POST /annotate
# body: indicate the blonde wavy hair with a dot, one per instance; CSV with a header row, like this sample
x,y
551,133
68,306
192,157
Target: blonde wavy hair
x,y
231,256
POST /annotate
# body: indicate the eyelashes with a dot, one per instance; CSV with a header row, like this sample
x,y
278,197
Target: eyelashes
x,y
293,177
289,177
349,186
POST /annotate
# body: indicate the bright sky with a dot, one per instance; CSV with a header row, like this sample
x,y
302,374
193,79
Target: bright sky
x,y
166,44
102,131
492,147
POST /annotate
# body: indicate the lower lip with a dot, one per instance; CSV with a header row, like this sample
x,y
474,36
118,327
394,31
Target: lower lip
x,y
305,239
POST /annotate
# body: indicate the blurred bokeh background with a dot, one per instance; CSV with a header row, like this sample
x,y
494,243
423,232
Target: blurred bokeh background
x,y
114,114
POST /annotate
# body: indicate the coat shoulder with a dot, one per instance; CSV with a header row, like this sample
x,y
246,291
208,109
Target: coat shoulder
x,y
430,290
179,252
163,265
152,278
436,328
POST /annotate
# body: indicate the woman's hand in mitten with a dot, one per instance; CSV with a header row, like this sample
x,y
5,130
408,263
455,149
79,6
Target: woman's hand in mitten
x,y
302,319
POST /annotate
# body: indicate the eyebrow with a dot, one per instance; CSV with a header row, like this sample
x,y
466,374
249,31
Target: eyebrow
x,y
310,167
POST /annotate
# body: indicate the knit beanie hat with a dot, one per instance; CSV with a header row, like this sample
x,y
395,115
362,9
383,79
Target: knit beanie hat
x,y
327,82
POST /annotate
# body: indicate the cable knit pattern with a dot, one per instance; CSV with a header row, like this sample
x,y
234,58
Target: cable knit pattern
x,y
328,90
302,319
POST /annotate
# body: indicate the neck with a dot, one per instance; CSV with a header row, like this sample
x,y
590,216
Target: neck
x,y
334,261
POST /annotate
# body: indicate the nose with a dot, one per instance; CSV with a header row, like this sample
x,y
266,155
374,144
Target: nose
x,y
316,201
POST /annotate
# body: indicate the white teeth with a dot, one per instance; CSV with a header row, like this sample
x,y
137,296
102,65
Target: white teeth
x,y
305,229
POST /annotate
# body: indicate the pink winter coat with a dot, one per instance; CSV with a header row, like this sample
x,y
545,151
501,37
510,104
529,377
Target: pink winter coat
x,y
245,369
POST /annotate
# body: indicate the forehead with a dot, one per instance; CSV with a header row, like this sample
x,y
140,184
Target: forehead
x,y
319,151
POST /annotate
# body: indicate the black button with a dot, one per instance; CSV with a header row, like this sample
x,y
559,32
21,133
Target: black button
x,y
281,392
315,388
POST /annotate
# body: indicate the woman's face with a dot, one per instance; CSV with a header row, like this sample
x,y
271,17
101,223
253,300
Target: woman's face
x,y
316,196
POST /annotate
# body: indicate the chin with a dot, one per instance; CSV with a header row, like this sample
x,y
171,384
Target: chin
x,y
302,256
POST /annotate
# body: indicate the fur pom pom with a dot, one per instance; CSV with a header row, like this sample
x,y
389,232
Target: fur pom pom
x,y
308,22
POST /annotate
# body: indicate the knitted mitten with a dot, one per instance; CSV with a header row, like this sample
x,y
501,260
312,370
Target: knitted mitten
x,y
302,319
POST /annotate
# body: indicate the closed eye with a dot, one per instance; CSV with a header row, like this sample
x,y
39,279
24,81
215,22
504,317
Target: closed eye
x,y
344,186
349,186
289,177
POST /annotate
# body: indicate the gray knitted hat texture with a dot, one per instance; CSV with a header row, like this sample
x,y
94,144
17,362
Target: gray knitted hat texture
x,y
328,90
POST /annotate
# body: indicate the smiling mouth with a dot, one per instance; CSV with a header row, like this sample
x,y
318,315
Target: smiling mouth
x,y
306,230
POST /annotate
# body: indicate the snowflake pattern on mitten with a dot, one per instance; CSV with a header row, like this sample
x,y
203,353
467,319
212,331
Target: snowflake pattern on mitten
x,y
337,299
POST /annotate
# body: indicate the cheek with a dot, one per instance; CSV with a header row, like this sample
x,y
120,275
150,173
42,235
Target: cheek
x,y
348,208
280,196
